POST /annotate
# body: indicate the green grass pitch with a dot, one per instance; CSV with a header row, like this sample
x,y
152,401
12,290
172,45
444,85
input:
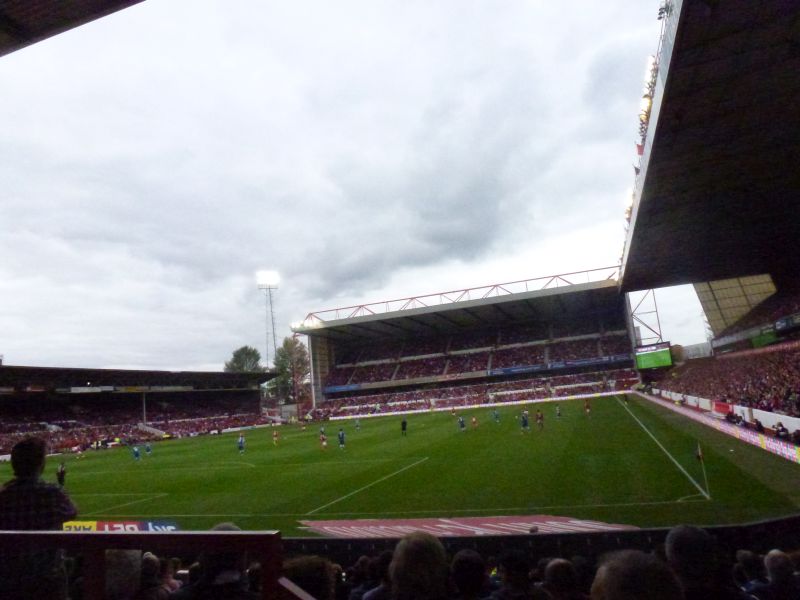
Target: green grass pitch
x,y
605,467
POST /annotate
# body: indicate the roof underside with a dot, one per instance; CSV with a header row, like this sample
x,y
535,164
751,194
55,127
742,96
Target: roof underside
x,y
726,301
57,376
25,22
720,198
544,306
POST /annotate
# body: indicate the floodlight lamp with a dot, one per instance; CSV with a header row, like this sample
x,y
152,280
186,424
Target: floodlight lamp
x,y
651,66
267,279
629,199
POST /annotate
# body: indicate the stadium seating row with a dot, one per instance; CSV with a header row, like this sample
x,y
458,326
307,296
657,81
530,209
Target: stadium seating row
x,y
470,394
394,365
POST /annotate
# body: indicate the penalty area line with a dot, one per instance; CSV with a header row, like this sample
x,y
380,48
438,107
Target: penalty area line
x,y
665,451
369,485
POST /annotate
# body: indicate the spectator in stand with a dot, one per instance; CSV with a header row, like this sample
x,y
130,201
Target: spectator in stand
x,y
170,566
560,581
690,552
222,575
384,589
751,568
783,584
419,569
513,567
314,574
468,572
28,503
634,575
123,573
151,587
360,578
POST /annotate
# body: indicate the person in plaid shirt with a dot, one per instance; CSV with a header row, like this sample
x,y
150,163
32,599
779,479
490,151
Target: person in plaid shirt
x,y
28,503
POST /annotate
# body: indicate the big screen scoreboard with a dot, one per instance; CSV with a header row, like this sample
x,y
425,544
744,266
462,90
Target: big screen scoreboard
x,y
653,356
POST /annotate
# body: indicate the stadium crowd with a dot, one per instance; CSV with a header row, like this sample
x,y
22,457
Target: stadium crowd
x,y
688,566
472,394
76,424
467,353
768,381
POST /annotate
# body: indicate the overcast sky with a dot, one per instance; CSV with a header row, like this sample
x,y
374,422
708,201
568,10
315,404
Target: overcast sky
x,y
152,161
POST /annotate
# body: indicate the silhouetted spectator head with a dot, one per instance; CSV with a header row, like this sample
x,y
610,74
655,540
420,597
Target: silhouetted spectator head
x,y
419,568
312,573
381,565
151,566
634,575
513,567
28,456
751,563
254,577
690,553
469,573
123,572
779,567
560,577
213,564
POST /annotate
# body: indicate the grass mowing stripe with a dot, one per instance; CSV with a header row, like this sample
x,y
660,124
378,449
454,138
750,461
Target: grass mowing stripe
x,y
672,458
369,485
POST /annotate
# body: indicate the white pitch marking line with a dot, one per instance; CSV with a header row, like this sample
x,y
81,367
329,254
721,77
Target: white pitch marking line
x,y
112,494
369,485
105,510
672,458
685,498
391,514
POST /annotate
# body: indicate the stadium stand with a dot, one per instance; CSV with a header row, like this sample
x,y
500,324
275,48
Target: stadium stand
x,y
470,362
75,409
767,380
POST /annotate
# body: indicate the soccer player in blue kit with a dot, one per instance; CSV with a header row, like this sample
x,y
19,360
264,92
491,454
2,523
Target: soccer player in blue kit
x,y
341,439
524,422
462,425
240,443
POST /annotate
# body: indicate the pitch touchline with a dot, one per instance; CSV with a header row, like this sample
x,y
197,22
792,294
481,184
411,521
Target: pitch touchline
x,y
389,514
672,458
369,485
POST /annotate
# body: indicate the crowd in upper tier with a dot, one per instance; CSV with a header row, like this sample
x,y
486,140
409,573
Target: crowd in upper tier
x,y
468,353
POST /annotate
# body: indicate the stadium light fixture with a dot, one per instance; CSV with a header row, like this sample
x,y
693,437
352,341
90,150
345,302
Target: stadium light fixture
x,y
268,281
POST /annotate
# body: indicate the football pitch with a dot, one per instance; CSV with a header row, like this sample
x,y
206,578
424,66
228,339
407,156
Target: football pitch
x,y
630,463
